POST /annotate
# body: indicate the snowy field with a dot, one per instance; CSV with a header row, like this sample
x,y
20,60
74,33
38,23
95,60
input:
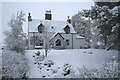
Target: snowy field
x,y
0,64
75,57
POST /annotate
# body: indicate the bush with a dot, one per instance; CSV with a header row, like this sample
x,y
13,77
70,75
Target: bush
x,y
67,69
108,70
48,63
38,53
14,65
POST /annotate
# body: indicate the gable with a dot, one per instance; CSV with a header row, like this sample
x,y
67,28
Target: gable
x,y
58,34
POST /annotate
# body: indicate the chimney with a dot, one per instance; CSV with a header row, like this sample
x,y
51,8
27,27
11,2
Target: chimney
x,y
29,17
69,20
48,15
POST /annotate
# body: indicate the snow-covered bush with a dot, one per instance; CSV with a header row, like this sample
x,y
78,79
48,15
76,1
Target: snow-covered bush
x,y
14,65
38,57
88,72
67,68
38,53
48,62
108,70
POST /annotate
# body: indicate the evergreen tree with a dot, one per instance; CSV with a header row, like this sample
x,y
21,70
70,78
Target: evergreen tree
x,y
14,64
106,14
15,38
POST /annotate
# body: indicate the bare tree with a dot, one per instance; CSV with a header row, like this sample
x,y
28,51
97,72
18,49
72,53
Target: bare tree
x,y
48,33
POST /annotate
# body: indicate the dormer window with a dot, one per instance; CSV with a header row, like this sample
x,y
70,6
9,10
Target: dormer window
x,y
67,29
40,28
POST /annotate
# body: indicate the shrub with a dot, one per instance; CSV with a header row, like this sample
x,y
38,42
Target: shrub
x,y
108,70
67,69
14,65
48,62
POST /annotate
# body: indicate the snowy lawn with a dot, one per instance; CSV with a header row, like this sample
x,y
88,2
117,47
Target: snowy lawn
x,y
0,64
75,57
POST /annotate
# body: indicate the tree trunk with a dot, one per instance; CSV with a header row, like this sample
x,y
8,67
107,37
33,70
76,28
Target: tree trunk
x,y
105,41
46,50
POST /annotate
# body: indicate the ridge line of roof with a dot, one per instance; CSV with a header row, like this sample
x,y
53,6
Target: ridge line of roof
x,y
49,20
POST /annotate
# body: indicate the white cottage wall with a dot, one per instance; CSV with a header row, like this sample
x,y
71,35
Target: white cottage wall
x,y
69,37
78,42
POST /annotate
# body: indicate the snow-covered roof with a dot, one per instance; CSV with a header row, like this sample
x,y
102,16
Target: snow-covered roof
x,y
57,26
79,37
56,35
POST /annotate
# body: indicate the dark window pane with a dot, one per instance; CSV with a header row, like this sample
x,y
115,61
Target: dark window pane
x,y
67,41
58,43
67,29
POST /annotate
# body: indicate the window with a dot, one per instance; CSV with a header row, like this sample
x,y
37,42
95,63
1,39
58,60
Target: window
x,y
41,43
36,41
67,41
67,29
40,28
33,40
58,43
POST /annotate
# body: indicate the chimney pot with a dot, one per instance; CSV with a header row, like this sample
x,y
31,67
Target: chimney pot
x,y
68,17
29,17
69,20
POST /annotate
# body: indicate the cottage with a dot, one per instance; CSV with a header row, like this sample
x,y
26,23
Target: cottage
x,y
52,33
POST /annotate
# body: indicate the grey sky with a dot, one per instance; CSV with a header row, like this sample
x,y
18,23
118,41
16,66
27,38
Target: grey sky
x,y
60,10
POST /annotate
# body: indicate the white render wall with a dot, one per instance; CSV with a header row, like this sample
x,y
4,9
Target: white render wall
x,y
78,42
74,43
67,36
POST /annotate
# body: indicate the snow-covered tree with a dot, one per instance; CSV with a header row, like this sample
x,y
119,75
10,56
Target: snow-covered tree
x,y
47,38
96,41
15,38
14,62
82,27
106,14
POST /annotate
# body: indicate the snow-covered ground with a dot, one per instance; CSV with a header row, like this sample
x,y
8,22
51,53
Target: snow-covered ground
x,y
0,64
75,57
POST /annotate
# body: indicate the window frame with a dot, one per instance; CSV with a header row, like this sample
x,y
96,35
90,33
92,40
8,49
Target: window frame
x,y
41,43
67,42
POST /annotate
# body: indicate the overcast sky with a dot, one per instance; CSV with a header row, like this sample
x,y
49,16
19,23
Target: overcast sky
x,y
60,10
